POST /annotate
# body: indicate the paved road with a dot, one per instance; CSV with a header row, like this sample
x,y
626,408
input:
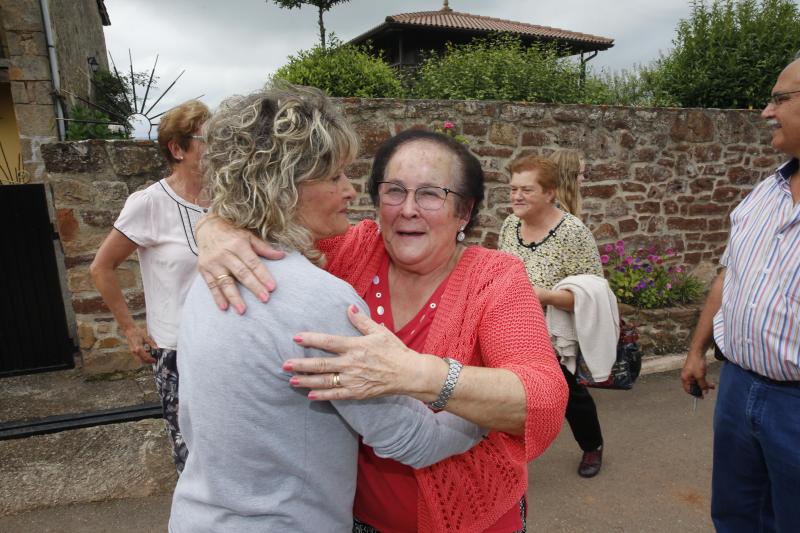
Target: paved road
x,y
656,475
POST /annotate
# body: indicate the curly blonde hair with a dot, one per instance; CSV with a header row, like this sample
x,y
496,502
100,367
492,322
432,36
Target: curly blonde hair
x,y
261,147
568,192
178,125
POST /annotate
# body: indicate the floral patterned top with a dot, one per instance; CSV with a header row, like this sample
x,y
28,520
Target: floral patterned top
x,y
569,250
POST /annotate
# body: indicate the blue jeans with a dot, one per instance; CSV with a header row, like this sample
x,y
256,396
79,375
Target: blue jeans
x,y
756,475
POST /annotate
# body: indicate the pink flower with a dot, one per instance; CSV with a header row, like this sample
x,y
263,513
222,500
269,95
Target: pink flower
x,y
670,252
605,259
609,247
669,286
678,269
628,260
448,125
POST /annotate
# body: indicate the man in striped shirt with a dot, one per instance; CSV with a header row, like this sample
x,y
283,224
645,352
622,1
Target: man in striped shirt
x,y
753,315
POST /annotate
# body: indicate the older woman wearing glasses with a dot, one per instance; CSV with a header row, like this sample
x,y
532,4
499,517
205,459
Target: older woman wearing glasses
x,y
457,326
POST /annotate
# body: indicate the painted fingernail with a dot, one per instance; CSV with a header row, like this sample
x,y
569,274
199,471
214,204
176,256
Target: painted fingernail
x,y
294,381
312,395
297,338
264,296
287,366
240,308
354,309
223,307
271,286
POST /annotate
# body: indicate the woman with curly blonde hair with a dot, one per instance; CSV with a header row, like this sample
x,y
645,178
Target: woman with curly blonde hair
x,y
262,456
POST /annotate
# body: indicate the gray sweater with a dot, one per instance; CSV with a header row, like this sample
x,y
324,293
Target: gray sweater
x,y
262,457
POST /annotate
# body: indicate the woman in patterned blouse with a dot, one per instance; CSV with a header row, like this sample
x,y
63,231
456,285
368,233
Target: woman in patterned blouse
x,y
554,244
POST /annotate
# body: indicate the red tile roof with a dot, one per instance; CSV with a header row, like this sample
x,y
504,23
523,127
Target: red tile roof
x,y
448,19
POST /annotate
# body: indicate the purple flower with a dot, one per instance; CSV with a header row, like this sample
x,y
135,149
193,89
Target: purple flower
x,y
636,267
641,285
604,259
648,269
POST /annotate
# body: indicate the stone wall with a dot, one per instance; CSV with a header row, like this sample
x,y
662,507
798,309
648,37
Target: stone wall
x,y
90,181
654,176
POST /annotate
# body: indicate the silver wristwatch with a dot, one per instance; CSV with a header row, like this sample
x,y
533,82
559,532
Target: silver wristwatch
x,y
453,371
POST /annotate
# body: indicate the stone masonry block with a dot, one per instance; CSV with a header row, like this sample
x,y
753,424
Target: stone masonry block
x,y
26,43
39,92
111,194
19,92
22,15
76,157
72,192
137,158
29,68
693,126
505,134
36,120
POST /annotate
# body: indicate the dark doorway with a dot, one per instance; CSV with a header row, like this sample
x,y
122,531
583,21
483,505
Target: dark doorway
x,y
34,336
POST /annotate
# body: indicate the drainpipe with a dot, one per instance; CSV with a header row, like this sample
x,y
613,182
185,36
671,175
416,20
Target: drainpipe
x,y
51,52
583,64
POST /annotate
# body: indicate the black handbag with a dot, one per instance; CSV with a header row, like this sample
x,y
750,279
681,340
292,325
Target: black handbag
x,y
626,368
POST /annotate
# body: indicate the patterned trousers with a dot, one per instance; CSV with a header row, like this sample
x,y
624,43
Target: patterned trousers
x,y
166,373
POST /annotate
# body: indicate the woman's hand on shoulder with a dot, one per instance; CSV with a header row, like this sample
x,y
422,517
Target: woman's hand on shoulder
x,y
228,254
377,364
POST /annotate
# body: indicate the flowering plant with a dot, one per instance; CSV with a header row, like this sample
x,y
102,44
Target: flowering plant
x,y
642,279
449,129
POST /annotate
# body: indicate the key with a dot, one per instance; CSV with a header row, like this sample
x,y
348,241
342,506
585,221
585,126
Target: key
x,y
696,392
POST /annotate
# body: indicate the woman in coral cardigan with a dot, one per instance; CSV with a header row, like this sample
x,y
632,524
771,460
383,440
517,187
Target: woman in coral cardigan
x,y
458,327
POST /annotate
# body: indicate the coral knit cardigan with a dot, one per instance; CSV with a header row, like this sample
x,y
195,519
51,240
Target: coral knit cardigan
x,y
488,316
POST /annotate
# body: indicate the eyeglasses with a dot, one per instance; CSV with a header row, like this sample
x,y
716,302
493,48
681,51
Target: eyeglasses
x,y
777,99
429,198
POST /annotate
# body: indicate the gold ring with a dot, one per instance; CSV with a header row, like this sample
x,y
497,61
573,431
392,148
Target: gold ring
x,y
337,382
223,276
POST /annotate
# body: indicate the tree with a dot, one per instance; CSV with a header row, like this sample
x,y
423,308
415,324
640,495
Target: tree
x,y
729,53
342,70
321,5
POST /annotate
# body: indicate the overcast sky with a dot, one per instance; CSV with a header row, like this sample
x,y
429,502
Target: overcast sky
x,y
231,46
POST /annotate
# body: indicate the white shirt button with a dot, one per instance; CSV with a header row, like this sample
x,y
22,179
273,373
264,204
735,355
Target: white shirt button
x,y
378,295
376,280
433,306
380,310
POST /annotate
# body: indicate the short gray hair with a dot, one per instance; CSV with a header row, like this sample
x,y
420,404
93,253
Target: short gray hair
x,y
261,147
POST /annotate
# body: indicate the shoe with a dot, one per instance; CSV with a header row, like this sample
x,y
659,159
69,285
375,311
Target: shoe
x,y
591,463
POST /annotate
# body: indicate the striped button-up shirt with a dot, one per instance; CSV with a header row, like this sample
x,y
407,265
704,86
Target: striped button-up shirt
x,y
758,324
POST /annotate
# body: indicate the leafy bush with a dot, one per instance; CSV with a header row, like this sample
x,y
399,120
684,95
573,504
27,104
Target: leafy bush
x,y
342,70
78,131
641,279
729,53
500,68
639,87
